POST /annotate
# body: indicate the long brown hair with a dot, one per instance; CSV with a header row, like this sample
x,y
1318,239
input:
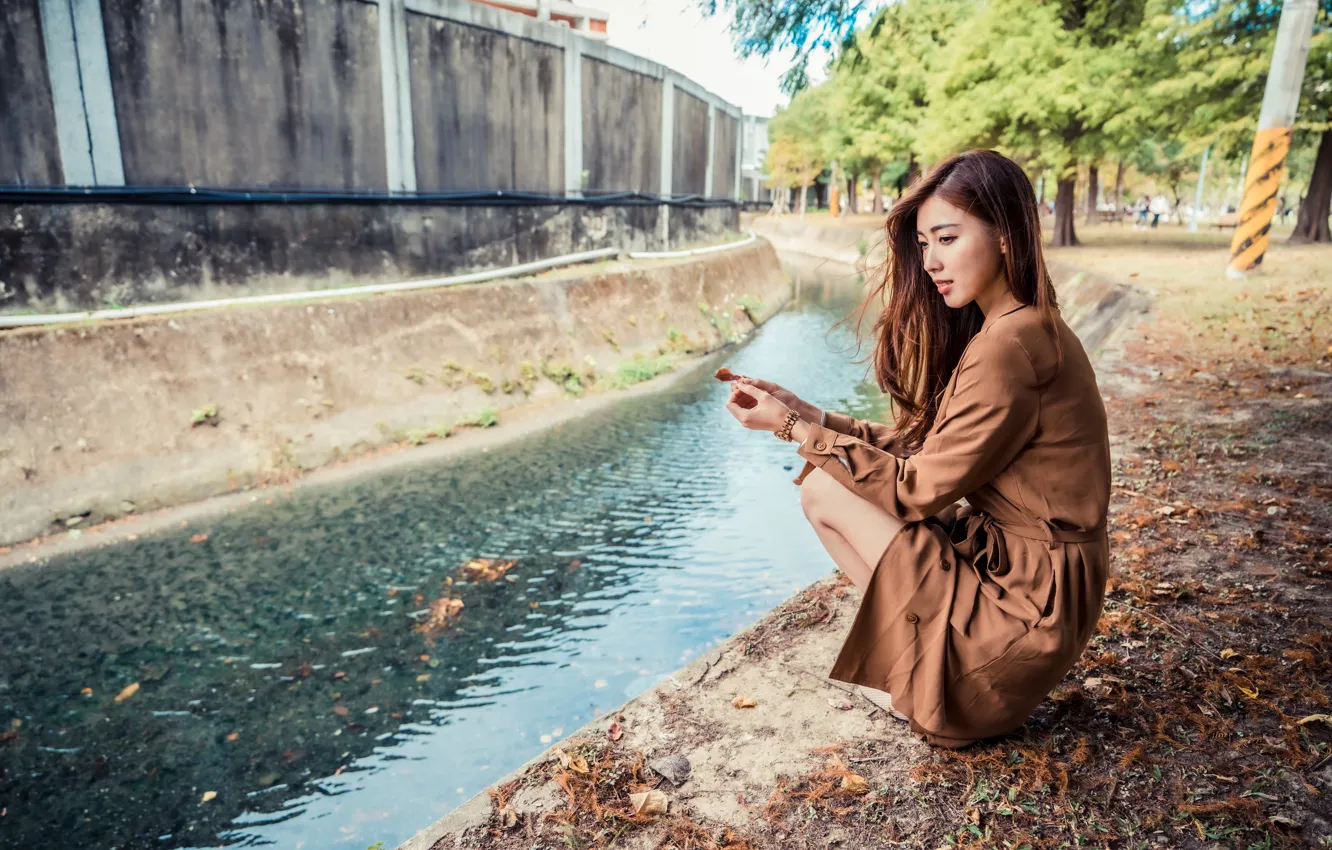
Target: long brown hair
x,y
918,338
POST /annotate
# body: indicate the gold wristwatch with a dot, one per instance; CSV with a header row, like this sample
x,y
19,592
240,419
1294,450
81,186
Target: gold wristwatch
x,y
784,432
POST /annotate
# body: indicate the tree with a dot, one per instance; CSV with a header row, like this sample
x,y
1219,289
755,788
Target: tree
x,y
1215,90
1050,97
803,132
884,84
761,27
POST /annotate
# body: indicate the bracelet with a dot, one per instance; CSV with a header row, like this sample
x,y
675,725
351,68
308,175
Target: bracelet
x,y
784,432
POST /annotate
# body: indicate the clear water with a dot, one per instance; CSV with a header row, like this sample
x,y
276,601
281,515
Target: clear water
x,y
277,661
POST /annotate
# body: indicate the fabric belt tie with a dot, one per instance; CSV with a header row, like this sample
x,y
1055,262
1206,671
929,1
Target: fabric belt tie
x,y
996,558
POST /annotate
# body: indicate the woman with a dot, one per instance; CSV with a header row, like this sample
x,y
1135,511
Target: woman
x,y
969,617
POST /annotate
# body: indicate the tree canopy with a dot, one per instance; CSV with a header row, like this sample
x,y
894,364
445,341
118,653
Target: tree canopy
x,y
1061,86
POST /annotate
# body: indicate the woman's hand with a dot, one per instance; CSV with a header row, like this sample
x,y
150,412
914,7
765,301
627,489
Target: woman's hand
x,y
756,409
807,411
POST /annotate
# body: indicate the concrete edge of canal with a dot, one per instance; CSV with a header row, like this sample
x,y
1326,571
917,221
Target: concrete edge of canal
x,y
1095,306
105,422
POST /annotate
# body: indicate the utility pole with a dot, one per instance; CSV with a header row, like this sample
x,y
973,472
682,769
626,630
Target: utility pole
x,y
1197,196
1271,144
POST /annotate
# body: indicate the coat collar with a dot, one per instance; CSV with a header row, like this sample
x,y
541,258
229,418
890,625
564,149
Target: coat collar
x,y
990,320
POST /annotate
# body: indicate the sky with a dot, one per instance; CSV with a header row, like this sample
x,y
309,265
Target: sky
x,y
675,33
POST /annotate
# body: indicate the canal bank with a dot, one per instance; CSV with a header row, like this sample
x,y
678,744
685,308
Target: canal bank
x,y
107,420
733,747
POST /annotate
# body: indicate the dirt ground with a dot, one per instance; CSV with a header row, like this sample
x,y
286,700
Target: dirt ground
x,y
1199,715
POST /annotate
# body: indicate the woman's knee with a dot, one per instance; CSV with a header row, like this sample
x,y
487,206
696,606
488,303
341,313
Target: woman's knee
x,y
814,493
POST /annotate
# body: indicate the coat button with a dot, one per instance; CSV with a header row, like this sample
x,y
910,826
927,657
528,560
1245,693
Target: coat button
x,y
912,618
944,565
819,445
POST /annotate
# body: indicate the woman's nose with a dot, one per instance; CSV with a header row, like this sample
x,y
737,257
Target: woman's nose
x,y
932,264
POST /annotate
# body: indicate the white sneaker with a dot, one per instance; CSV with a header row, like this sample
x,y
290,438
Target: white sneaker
x,y
883,700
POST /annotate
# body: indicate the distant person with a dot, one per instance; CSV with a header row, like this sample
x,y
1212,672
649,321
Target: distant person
x,y
971,613
1159,207
1142,207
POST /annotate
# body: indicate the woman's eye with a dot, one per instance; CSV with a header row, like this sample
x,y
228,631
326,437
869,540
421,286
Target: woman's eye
x,y
922,245
946,240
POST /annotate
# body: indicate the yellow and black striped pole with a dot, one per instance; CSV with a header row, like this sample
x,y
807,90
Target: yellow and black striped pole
x,y
1267,161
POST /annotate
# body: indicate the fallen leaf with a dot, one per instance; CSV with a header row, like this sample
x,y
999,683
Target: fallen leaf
x,y
233,737
424,677
1251,693
743,702
129,691
508,817
576,763
854,783
87,692
615,732
199,538
341,710
209,795
649,803
1229,653
1316,718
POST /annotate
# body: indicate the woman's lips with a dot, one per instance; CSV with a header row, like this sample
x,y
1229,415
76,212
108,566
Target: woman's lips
x,y
943,286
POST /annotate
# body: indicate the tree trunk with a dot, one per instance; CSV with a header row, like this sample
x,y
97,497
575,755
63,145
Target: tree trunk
x,y
1119,185
878,190
1064,234
1311,226
804,193
1093,188
851,185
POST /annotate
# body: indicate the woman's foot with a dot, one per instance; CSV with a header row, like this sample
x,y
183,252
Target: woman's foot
x,y
883,700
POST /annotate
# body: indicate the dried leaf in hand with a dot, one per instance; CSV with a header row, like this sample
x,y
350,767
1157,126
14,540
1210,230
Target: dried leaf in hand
x,y
743,702
129,691
649,803
724,374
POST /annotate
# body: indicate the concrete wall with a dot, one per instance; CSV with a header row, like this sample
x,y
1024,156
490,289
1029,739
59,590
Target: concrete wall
x,y
298,385
393,98
725,155
220,93
503,129
620,152
29,154
130,254
690,141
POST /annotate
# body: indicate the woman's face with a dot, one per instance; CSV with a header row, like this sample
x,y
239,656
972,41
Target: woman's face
x,y
960,253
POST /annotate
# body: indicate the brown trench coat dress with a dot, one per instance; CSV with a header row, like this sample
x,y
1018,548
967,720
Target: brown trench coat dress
x,y
970,625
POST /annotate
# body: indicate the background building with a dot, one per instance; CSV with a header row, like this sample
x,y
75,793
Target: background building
x,y
583,19
753,159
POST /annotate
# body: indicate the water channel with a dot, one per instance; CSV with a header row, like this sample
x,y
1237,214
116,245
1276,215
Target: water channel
x,y
279,671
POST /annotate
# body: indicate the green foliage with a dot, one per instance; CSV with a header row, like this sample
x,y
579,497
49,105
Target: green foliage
x,y
483,418
206,415
637,370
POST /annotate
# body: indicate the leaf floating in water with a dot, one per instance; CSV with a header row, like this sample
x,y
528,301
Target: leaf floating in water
x,y
129,691
209,796
233,736
200,538
442,613
484,569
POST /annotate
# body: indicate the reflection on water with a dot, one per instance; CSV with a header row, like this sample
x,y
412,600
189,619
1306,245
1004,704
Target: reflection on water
x,y
277,662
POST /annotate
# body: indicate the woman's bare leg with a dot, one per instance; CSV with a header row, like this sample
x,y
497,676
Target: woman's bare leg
x,y
855,532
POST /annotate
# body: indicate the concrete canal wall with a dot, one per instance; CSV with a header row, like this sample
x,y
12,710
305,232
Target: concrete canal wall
x,y
101,419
